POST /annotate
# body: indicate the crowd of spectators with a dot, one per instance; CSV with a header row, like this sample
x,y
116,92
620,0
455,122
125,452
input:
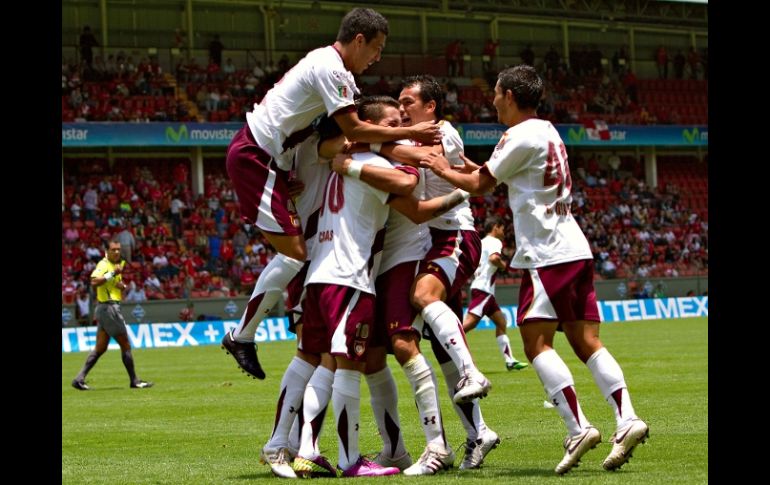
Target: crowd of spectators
x,y
182,246
586,88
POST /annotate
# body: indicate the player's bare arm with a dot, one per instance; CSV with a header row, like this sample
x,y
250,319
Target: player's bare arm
x,y
356,130
419,211
497,260
409,154
386,179
477,182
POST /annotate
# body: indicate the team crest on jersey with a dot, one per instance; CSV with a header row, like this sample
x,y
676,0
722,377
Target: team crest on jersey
x,y
343,90
359,347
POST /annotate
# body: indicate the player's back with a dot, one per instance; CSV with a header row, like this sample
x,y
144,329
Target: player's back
x,y
484,278
351,230
317,84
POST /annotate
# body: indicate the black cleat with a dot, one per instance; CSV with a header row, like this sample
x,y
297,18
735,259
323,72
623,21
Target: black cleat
x,y
140,384
80,385
245,355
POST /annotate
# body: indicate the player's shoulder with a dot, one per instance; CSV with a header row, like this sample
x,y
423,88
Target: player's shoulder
x,y
370,158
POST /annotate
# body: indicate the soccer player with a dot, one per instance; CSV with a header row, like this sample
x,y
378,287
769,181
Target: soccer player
x,y
421,99
261,153
310,170
557,291
108,279
483,291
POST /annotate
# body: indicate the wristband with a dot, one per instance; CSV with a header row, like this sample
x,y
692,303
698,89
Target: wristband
x,y
466,195
354,169
109,275
375,147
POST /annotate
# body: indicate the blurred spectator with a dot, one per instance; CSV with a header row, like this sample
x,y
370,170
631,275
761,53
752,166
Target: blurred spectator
x,y
527,55
187,314
83,307
215,50
661,60
87,42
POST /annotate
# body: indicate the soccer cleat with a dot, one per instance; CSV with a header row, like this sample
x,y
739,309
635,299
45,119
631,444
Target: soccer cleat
x,y
516,365
432,460
402,462
245,354
368,468
318,467
140,384
475,451
470,387
80,385
278,461
577,446
624,440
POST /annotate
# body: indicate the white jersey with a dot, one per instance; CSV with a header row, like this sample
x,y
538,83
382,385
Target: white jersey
x,y
318,84
484,278
405,240
532,160
350,231
312,171
461,216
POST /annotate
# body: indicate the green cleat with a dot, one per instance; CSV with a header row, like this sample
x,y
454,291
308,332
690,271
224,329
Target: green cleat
x,y
516,365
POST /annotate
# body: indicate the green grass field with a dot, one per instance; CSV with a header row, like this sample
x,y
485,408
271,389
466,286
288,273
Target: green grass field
x,y
205,422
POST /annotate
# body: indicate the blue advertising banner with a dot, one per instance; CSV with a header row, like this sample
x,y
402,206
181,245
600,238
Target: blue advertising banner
x,y
598,134
184,334
473,134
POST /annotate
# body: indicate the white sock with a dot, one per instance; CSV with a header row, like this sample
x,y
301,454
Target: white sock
x,y
609,377
267,291
420,375
294,434
448,329
346,399
469,412
505,348
560,388
384,401
317,395
289,400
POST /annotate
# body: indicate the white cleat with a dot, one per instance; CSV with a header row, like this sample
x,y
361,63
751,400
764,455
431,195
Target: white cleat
x,y
624,441
475,451
433,459
470,387
279,461
402,462
577,446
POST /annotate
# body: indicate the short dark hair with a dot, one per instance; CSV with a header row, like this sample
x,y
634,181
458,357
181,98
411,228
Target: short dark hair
x,y
371,107
362,21
430,90
491,222
524,83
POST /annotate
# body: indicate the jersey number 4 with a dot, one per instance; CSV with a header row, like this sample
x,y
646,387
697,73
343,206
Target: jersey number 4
x,y
555,173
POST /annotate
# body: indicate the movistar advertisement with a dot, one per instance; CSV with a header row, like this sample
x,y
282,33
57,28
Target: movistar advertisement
x,y
147,134
595,133
183,334
600,134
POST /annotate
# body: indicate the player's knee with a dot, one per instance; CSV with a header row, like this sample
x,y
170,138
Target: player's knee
x,y
405,347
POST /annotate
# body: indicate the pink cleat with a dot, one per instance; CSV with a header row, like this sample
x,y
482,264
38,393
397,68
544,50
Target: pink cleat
x,y
367,468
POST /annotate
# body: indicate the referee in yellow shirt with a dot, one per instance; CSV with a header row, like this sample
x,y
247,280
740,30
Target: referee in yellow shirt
x,y
108,281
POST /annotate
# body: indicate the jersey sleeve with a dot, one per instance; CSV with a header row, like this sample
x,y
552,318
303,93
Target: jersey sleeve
x,y
495,247
509,157
100,270
453,145
336,86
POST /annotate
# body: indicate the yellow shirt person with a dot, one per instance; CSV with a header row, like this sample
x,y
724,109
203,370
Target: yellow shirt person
x,y
110,290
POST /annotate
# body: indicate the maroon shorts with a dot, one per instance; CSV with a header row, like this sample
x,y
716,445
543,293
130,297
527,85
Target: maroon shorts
x,y
569,293
482,303
395,312
452,258
338,320
262,188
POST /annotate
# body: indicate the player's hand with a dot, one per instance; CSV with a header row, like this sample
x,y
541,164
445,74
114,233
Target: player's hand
x,y
436,162
426,132
340,163
118,269
354,147
469,167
